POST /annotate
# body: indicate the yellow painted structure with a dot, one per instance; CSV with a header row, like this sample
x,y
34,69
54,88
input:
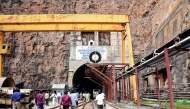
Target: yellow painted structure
x,y
68,22
61,27
131,59
62,22
1,55
123,48
63,18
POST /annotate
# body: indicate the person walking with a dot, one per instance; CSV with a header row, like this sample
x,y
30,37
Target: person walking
x,y
40,100
103,95
16,96
88,97
53,96
100,100
84,96
73,99
47,98
58,97
65,100
77,96
81,96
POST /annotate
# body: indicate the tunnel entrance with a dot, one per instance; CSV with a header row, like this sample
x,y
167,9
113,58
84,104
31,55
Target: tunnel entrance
x,y
93,76
83,84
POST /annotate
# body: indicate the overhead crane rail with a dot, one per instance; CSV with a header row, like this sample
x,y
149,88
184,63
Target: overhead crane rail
x,y
69,22
63,22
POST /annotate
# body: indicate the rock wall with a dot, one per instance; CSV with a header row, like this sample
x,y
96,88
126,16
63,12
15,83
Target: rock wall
x,y
170,18
40,59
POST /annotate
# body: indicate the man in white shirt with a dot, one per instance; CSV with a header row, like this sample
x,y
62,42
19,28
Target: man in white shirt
x,y
54,96
100,100
84,96
73,99
77,96
103,95
58,97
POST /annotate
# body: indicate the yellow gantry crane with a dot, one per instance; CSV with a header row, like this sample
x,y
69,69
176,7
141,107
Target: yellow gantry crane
x,y
67,22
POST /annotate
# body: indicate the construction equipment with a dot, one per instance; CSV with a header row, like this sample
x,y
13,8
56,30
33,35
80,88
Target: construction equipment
x,y
69,22
7,86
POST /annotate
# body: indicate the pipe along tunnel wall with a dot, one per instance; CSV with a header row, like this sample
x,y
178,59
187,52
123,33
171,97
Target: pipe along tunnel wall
x,y
84,84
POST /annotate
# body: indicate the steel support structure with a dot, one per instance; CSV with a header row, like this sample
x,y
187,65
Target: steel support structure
x,y
110,86
158,88
129,88
123,49
95,81
74,22
63,18
100,73
101,77
60,27
62,22
167,62
137,88
123,89
131,59
1,55
114,84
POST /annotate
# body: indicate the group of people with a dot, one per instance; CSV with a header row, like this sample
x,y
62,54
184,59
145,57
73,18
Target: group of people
x,y
85,96
66,100
70,99
41,98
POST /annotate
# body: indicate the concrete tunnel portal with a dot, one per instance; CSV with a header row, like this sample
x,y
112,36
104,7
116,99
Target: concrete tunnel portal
x,y
83,84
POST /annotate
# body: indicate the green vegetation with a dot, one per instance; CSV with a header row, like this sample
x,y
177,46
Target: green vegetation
x,y
178,103
120,106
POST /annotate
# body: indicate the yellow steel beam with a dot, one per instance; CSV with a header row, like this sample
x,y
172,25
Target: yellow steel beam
x,y
61,27
1,56
123,49
63,18
131,59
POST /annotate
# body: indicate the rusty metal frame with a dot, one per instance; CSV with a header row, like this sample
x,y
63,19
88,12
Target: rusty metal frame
x,y
94,81
100,77
167,62
114,84
100,73
94,76
123,89
107,78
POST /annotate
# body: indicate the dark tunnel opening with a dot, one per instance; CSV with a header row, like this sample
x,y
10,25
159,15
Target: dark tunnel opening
x,y
83,84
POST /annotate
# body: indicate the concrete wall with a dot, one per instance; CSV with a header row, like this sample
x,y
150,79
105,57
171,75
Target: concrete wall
x,y
113,51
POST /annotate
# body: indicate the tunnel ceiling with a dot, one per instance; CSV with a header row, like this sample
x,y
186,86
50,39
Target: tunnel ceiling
x,y
92,76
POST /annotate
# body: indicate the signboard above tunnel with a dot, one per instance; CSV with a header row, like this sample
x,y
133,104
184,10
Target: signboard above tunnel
x,y
82,53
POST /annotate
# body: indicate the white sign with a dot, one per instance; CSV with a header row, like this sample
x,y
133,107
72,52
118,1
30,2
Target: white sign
x,y
83,52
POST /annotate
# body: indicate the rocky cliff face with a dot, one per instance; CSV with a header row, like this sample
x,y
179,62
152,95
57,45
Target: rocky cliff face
x,y
170,18
37,55
40,59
